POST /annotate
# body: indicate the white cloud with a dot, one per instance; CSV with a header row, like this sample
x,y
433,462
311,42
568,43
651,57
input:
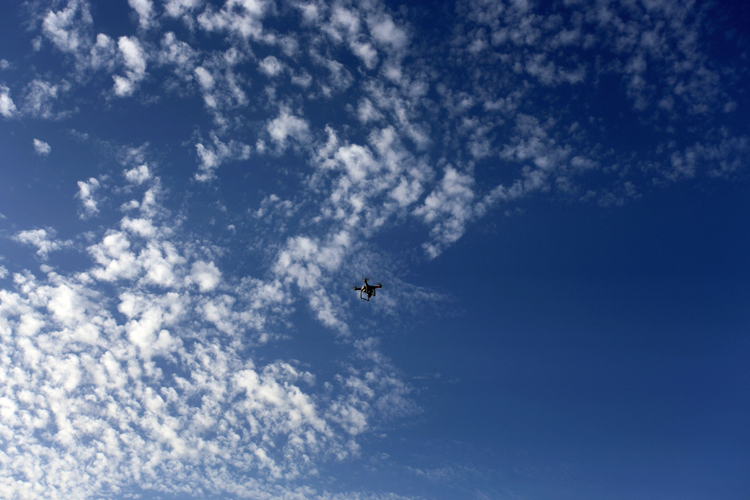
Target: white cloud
x,y
304,262
239,17
7,106
178,8
177,53
103,54
42,239
204,77
67,28
367,112
271,66
366,52
42,148
138,359
385,31
83,387
138,175
114,258
345,20
40,96
287,126
145,10
213,155
448,209
206,275
134,58
86,193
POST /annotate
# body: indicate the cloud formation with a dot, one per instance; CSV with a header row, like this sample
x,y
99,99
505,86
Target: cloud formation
x,y
106,390
42,148
140,368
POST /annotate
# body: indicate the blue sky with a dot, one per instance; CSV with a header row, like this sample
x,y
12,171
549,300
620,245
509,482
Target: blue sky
x,y
554,195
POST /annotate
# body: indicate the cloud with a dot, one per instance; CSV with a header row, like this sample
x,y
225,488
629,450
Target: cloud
x,y
138,175
87,194
132,382
68,29
287,126
206,275
221,85
205,79
134,59
146,366
385,32
40,96
102,55
43,240
448,209
213,155
42,148
271,66
179,8
145,11
238,17
7,106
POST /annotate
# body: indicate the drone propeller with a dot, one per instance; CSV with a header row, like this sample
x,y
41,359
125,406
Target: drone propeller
x,y
365,278
356,288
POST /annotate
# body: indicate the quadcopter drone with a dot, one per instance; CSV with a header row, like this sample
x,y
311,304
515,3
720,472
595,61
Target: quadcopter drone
x,y
367,289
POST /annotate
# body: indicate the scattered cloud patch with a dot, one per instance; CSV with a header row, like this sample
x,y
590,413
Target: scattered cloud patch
x,y
112,381
138,175
87,194
40,96
447,209
42,148
7,106
212,155
68,29
271,66
134,60
288,126
145,11
206,275
42,239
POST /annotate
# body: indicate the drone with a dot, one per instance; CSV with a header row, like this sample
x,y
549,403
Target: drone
x,y
367,289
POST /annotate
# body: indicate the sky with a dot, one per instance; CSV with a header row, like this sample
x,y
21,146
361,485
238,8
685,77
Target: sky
x,y
554,194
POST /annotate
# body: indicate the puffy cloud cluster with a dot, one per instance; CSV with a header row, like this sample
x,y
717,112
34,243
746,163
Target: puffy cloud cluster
x,y
42,239
134,59
139,370
466,100
140,367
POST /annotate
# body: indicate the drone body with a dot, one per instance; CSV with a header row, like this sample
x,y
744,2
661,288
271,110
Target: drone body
x,y
367,289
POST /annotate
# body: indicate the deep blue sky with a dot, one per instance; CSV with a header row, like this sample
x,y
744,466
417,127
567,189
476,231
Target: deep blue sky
x,y
554,195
